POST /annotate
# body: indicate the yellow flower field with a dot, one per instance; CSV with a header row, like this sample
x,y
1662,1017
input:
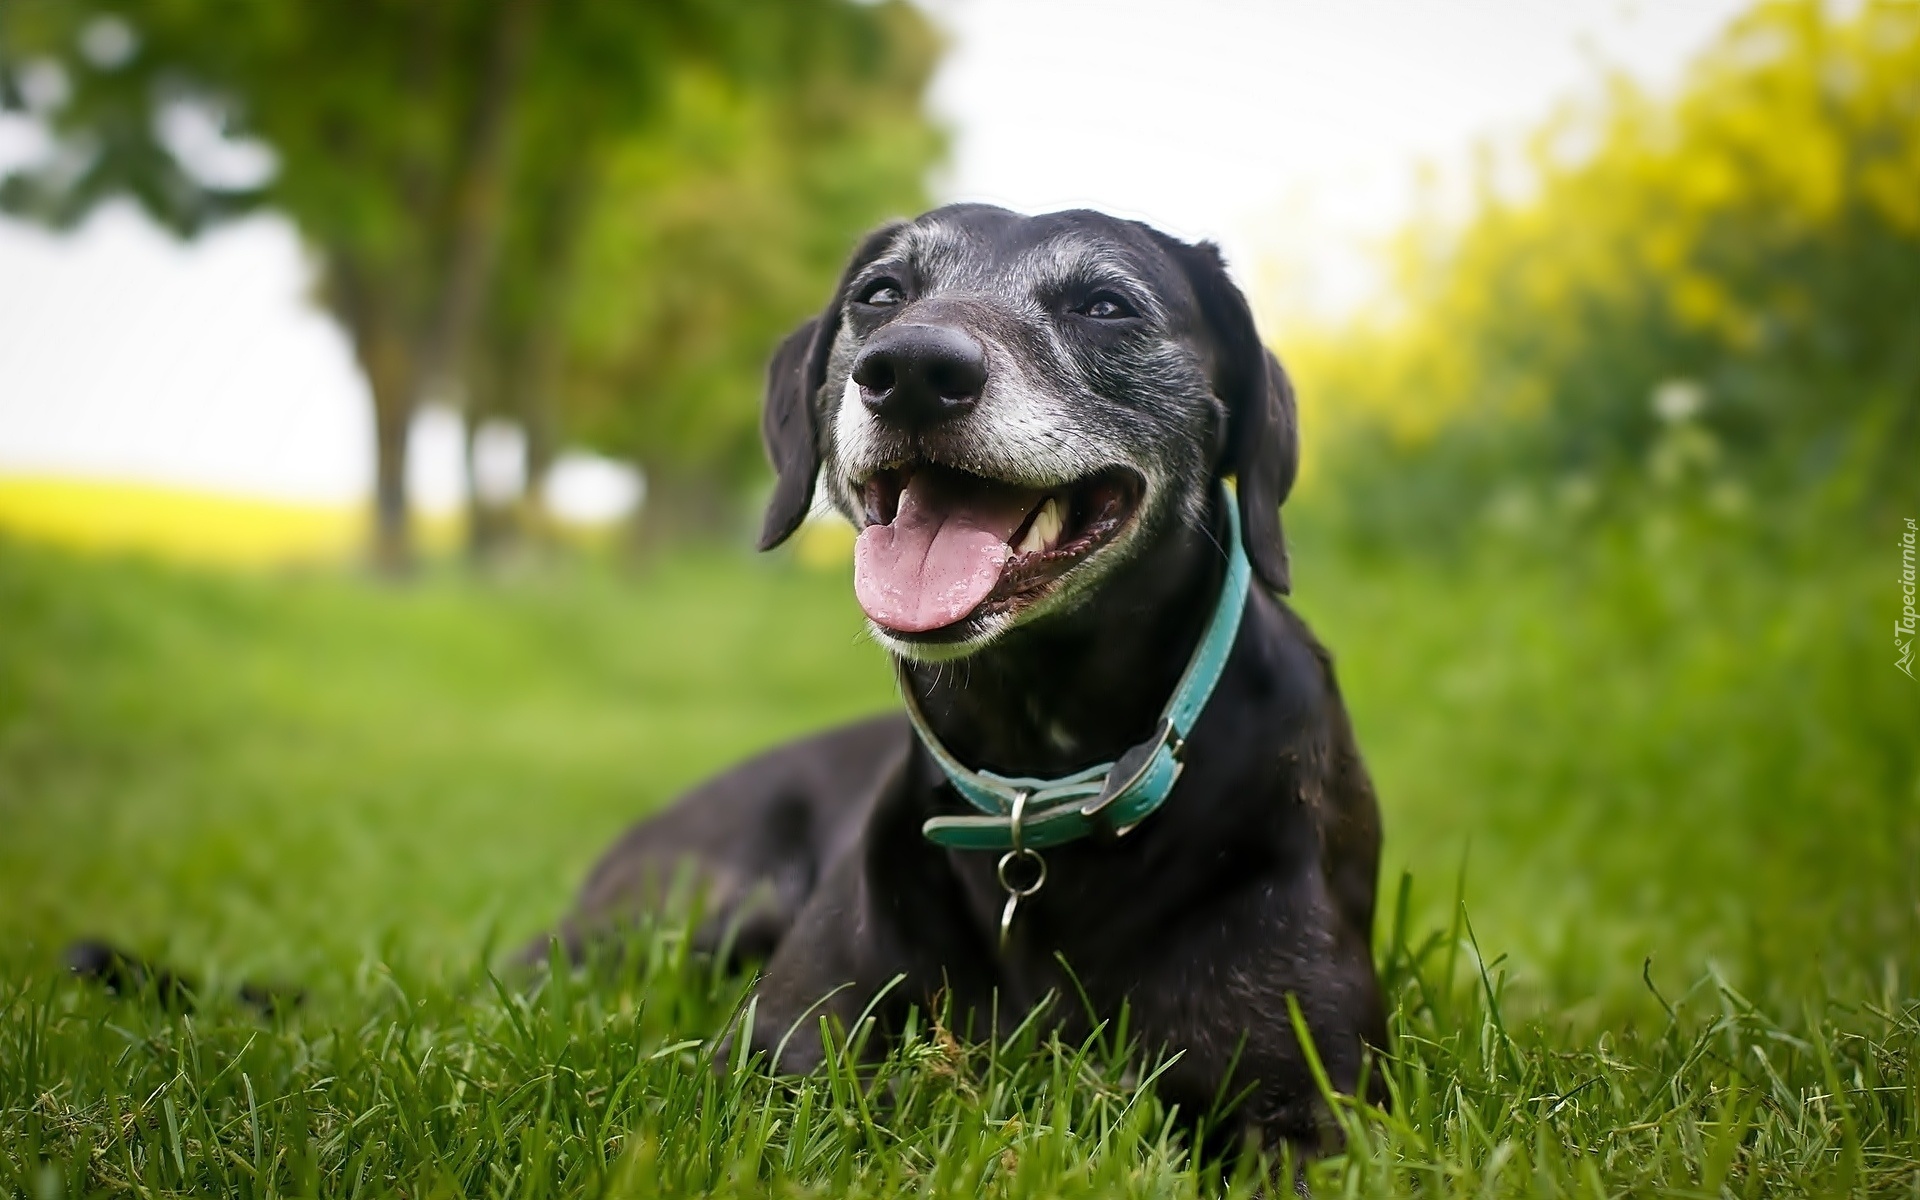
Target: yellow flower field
x,y
177,523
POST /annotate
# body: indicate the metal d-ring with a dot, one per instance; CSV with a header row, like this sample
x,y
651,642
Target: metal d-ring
x,y
1020,853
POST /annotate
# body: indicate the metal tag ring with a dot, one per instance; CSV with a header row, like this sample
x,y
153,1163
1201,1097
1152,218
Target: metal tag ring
x,y
1039,871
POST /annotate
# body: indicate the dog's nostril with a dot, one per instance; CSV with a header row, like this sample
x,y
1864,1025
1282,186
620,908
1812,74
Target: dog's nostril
x,y
874,372
957,379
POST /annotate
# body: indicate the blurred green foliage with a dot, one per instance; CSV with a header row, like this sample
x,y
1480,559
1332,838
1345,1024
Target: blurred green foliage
x,y
1650,414
593,218
736,223
1715,296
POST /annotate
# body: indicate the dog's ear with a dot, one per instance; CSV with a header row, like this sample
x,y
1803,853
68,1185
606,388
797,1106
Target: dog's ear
x,y
1266,459
788,428
789,423
1263,440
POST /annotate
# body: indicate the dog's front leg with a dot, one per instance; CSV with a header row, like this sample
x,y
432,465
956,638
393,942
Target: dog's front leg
x,y
831,964
889,915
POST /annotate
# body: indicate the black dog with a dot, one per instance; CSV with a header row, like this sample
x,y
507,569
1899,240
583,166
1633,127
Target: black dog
x,y
1030,419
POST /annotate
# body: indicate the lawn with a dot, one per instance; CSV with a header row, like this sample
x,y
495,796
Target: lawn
x,y
1657,792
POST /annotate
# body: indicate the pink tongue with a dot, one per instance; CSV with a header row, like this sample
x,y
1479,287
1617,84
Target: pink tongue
x,y
942,554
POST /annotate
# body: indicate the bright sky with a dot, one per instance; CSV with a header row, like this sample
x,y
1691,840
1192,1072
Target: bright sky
x,y
1290,130
1281,128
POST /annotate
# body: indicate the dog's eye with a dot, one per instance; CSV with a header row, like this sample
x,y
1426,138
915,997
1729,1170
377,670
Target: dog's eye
x,y
881,293
1105,306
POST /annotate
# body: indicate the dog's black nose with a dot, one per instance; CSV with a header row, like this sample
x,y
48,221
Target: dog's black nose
x,y
920,374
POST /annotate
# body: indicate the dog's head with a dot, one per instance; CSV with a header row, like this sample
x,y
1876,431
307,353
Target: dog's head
x,y
1010,408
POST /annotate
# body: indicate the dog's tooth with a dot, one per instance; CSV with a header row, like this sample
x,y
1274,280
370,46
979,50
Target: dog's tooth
x,y
1045,530
1052,521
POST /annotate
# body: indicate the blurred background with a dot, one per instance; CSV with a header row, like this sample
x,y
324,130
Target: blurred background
x,y
378,438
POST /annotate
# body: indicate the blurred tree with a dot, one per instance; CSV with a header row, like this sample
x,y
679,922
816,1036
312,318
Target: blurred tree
x,y
450,161
640,299
1729,277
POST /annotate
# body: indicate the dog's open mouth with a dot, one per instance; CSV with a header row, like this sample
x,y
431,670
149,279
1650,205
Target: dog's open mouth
x,y
942,545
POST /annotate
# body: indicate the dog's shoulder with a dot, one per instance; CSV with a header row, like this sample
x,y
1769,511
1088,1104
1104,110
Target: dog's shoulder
x,y
1334,782
810,793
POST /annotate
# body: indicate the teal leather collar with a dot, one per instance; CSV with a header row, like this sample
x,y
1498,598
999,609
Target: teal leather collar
x,y
1023,812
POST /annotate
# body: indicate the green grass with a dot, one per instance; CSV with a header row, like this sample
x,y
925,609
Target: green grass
x,y
285,775
1677,775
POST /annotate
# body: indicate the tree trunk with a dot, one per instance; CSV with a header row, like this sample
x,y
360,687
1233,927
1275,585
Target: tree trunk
x,y
380,343
392,515
408,355
479,200
536,384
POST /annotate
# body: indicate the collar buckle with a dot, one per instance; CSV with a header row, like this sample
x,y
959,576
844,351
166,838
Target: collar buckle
x,y
1135,767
